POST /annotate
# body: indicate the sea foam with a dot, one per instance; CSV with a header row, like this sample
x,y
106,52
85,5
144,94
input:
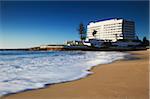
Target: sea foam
x,y
24,70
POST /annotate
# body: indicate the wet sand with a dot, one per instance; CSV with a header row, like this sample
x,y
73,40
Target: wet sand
x,y
124,79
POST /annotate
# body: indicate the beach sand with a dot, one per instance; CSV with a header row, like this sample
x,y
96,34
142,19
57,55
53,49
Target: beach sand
x,y
124,79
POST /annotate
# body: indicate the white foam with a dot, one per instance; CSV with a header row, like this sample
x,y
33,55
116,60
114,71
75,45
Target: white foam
x,y
30,70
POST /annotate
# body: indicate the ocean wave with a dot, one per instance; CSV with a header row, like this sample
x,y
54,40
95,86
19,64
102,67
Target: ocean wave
x,y
23,70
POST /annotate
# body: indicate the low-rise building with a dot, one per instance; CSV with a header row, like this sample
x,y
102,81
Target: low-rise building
x,y
125,44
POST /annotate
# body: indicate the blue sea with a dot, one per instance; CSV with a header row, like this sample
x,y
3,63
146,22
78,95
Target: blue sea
x,y
24,70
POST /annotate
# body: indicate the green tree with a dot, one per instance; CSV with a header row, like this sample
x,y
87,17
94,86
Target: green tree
x,y
82,31
145,41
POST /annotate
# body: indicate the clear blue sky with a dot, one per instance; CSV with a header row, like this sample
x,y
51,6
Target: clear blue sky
x,y
33,23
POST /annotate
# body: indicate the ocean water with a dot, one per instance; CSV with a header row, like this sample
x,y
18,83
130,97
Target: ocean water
x,y
24,70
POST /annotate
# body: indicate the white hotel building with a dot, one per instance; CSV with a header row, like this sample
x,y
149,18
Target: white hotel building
x,y
111,30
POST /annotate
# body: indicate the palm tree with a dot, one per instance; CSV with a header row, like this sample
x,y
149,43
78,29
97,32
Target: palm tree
x,y
145,41
82,31
94,32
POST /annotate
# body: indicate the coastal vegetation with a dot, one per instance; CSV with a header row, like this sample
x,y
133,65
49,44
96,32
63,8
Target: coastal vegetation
x,y
145,42
82,31
120,44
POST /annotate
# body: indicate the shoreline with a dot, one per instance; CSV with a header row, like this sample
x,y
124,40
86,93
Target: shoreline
x,y
76,48
48,86
126,58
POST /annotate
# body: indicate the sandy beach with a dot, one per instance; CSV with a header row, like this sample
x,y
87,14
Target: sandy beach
x,y
124,79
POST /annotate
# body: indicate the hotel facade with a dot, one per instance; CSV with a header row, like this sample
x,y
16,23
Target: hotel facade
x,y
111,30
